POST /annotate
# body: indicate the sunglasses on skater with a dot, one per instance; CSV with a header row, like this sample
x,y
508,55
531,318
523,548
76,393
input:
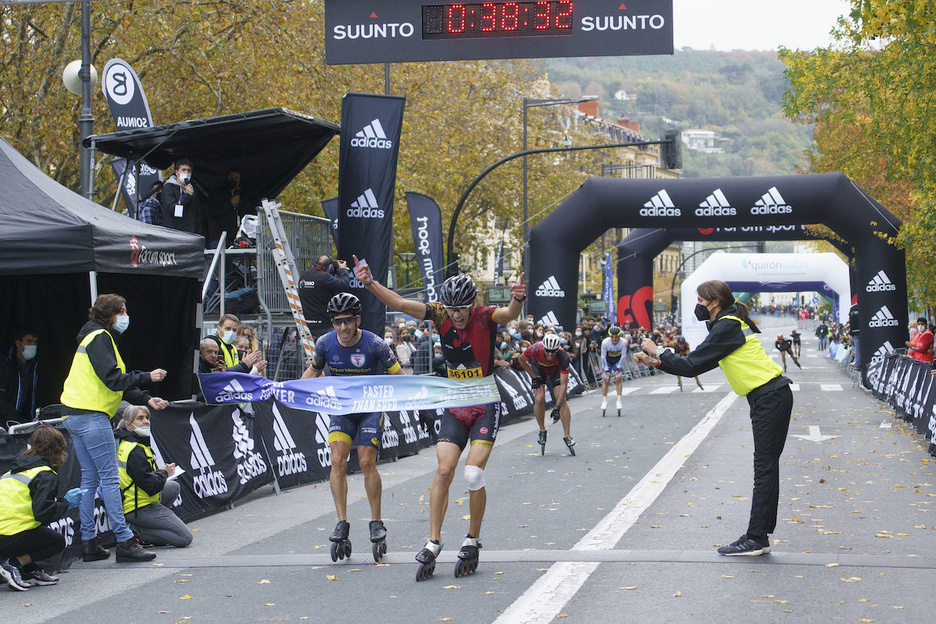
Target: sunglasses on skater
x,y
348,320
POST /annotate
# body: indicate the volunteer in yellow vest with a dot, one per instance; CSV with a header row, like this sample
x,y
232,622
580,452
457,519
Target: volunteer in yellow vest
x,y
733,345
225,335
28,502
96,383
148,493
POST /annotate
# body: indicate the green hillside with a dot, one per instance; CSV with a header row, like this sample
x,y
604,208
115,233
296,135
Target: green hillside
x,y
734,94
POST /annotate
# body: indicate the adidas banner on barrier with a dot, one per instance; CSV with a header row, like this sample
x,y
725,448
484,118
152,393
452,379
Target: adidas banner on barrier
x,y
351,395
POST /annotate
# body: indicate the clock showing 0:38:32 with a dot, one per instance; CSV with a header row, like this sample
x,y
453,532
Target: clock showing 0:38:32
x,y
497,19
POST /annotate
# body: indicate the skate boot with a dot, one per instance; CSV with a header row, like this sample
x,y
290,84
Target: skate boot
x,y
378,538
699,383
619,406
341,545
797,364
555,415
467,557
604,405
542,442
680,384
570,443
427,558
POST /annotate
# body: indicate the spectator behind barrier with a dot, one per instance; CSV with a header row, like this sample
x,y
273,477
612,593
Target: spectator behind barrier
x,y
18,379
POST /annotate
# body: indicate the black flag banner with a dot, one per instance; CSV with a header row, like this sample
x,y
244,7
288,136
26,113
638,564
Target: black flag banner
x,y
130,110
426,222
370,139
330,208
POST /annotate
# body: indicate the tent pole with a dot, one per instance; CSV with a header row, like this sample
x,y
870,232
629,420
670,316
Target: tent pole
x,y
93,279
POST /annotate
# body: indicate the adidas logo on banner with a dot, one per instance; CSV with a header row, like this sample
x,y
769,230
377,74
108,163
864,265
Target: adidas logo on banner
x,y
550,288
883,318
372,135
660,205
207,482
771,203
321,439
519,401
880,283
289,460
715,205
250,464
882,351
234,392
366,206
324,398
549,318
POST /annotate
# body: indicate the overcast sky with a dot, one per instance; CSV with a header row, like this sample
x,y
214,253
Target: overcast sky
x,y
755,24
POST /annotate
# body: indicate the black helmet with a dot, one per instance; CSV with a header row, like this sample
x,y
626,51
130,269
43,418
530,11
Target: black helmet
x,y
614,330
344,303
458,291
680,339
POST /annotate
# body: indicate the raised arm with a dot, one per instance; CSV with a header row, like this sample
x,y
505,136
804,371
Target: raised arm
x,y
391,299
512,310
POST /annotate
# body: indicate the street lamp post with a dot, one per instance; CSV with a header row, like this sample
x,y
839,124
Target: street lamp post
x,y
529,103
406,258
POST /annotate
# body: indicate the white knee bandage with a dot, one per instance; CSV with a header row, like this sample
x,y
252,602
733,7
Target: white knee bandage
x,y
475,477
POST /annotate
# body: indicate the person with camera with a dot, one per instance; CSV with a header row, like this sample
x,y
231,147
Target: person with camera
x,y
179,201
316,288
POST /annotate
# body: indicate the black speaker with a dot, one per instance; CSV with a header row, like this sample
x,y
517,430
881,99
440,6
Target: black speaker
x,y
671,150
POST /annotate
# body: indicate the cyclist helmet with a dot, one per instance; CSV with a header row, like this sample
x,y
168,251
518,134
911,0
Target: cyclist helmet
x,y
344,303
614,330
551,342
780,337
458,291
681,339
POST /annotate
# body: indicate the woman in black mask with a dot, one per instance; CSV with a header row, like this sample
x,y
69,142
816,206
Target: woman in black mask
x,y
733,345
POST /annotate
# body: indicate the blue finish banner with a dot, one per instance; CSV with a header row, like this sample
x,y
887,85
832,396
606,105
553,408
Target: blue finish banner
x,y
351,395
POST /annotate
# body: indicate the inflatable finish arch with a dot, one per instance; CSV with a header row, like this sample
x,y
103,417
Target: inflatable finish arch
x,y
827,198
753,272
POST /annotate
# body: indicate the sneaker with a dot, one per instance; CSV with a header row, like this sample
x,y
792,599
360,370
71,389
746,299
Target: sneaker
x,y
132,551
38,576
11,574
745,545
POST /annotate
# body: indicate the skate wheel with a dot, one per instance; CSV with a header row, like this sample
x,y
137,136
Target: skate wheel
x,y
572,451
346,551
425,571
383,548
378,549
334,551
603,413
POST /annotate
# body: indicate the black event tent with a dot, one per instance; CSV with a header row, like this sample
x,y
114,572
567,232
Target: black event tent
x,y
269,147
53,242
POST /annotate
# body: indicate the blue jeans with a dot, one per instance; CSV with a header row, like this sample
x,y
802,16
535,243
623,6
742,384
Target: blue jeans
x,y
93,440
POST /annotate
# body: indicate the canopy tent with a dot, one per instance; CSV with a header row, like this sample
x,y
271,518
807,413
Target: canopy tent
x,y
54,243
269,147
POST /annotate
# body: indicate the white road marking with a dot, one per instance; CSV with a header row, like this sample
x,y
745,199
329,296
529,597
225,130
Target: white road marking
x,y
794,387
664,390
830,387
885,425
544,600
709,388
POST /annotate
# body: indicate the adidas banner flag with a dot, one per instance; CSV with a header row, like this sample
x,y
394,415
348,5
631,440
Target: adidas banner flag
x,y
351,395
426,222
130,109
330,207
370,139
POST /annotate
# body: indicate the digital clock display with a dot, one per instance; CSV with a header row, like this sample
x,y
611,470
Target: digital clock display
x,y
496,19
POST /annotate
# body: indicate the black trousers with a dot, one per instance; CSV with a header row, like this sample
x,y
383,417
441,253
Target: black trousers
x,y
39,543
770,422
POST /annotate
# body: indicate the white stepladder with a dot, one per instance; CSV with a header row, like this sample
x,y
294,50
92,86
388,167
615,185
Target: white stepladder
x,y
286,267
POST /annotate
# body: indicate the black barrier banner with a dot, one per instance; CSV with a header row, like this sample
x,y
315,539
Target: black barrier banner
x,y
130,109
331,207
218,449
515,392
370,137
426,223
293,443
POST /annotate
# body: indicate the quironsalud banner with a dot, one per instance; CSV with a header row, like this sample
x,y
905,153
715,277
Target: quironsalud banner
x,y
351,395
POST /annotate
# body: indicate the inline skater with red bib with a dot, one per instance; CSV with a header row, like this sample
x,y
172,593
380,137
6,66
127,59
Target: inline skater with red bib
x,y
467,333
548,365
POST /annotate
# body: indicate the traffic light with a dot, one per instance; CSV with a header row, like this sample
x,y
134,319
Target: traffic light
x,y
671,150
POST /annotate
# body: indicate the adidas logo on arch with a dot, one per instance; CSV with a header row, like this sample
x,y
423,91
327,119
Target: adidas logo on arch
x,y
880,283
660,205
715,205
550,288
372,136
771,203
366,207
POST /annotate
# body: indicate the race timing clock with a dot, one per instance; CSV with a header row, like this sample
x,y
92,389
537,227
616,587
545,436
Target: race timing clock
x,y
369,31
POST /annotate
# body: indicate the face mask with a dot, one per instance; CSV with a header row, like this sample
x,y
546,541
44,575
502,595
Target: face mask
x,y
539,334
226,337
143,432
562,341
122,323
578,332
388,339
503,346
241,354
920,327
233,184
29,352
702,313
185,178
